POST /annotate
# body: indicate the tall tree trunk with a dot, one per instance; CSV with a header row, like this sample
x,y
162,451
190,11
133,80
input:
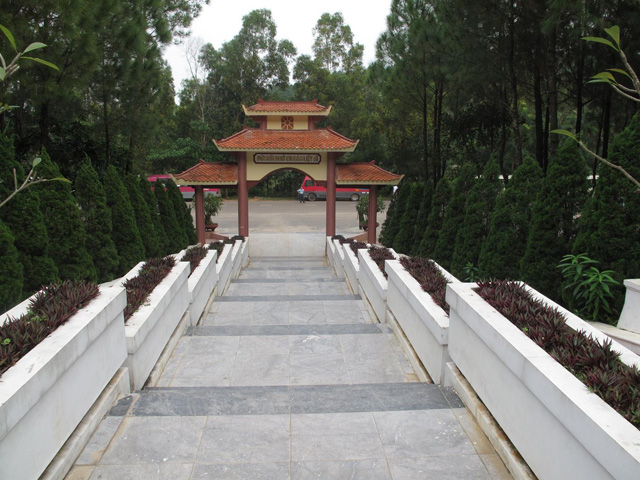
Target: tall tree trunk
x,y
554,140
579,88
545,156
538,101
606,127
514,92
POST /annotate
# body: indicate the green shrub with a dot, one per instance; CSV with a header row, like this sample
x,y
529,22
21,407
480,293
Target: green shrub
x,y
403,241
422,219
391,225
176,238
150,238
387,221
439,204
212,205
183,214
11,273
152,205
125,231
97,221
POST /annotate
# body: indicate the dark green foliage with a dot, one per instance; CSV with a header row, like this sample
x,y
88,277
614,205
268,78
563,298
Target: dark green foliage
x,y
125,231
609,230
218,247
67,236
391,225
152,205
391,211
194,256
553,221
430,278
97,221
183,214
140,287
146,227
22,215
11,273
422,220
477,214
51,307
176,238
238,237
404,239
504,247
379,255
454,216
596,365
439,204
338,237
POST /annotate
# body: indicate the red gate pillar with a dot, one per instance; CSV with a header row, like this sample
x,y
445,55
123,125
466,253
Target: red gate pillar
x,y
243,196
199,198
331,194
373,211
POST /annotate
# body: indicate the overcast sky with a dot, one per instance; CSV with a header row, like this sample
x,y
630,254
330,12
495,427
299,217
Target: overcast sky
x,y
220,21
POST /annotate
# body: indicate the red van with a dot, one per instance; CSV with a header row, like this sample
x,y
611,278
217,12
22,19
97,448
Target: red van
x,y
187,192
313,191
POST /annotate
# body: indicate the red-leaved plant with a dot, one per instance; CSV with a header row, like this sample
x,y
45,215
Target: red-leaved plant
x,y
141,286
379,255
194,256
355,246
218,247
430,278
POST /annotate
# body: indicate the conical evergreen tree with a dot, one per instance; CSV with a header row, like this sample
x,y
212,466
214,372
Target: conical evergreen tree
x,y
125,231
477,214
439,205
553,221
11,271
393,225
150,199
92,199
422,220
67,236
150,238
387,221
25,220
175,235
183,215
453,217
504,247
403,241
610,224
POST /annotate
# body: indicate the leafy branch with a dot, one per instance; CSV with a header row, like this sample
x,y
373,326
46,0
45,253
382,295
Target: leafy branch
x,y
30,180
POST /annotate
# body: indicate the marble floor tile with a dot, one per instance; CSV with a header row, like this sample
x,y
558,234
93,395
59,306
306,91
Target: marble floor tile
x,y
335,447
261,370
370,469
205,365
318,344
143,472
318,369
442,467
256,346
333,424
242,471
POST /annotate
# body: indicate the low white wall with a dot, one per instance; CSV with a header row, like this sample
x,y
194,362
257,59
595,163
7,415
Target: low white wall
x,y
351,269
223,269
245,252
338,258
149,329
560,428
330,251
201,284
373,284
236,258
46,394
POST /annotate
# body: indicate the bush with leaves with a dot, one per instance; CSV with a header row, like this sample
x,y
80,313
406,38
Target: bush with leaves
x,y
11,273
362,207
439,204
92,199
422,219
152,205
183,214
404,239
176,238
212,205
150,238
391,210
218,247
391,226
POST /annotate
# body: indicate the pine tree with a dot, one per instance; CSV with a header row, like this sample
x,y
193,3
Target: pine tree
x,y
150,238
392,222
388,218
403,241
183,215
553,221
175,235
477,214
150,199
439,205
11,272
25,220
422,220
125,231
454,215
92,199
504,247
67,236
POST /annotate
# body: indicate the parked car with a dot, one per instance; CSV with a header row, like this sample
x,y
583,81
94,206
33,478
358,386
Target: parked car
x,y
313,191
187,192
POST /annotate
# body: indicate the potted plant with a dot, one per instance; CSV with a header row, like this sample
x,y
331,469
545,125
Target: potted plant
x,y
362,208
212,205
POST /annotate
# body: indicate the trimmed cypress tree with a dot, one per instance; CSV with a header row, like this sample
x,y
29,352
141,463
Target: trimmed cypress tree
x,y
477,214
393,222
504,247
92,199
553,220
387,221
25,220
435,220
152,205
125,231
183,215
403,241
150,238
67,236
11,272
454,216
608,230
422,220
175,235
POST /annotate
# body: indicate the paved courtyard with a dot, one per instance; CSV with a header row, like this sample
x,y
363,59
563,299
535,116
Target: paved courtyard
x,y
287,377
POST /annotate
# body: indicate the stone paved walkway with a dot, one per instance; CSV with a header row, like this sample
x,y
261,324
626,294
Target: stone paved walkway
x,y
288,378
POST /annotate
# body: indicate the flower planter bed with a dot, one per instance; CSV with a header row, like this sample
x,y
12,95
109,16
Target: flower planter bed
x,y
201,284
423,320
218,247
351,266
223,269
236,258
194,256
373,282
540,405
338,259
149,329
45,395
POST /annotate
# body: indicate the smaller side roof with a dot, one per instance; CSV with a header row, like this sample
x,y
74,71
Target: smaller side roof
x,y
264,107
365,173
208,174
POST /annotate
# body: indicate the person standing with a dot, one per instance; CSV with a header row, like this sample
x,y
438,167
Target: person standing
x,y
301,194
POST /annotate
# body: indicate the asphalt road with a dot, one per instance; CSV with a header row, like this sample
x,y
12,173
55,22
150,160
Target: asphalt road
x,y
279,216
